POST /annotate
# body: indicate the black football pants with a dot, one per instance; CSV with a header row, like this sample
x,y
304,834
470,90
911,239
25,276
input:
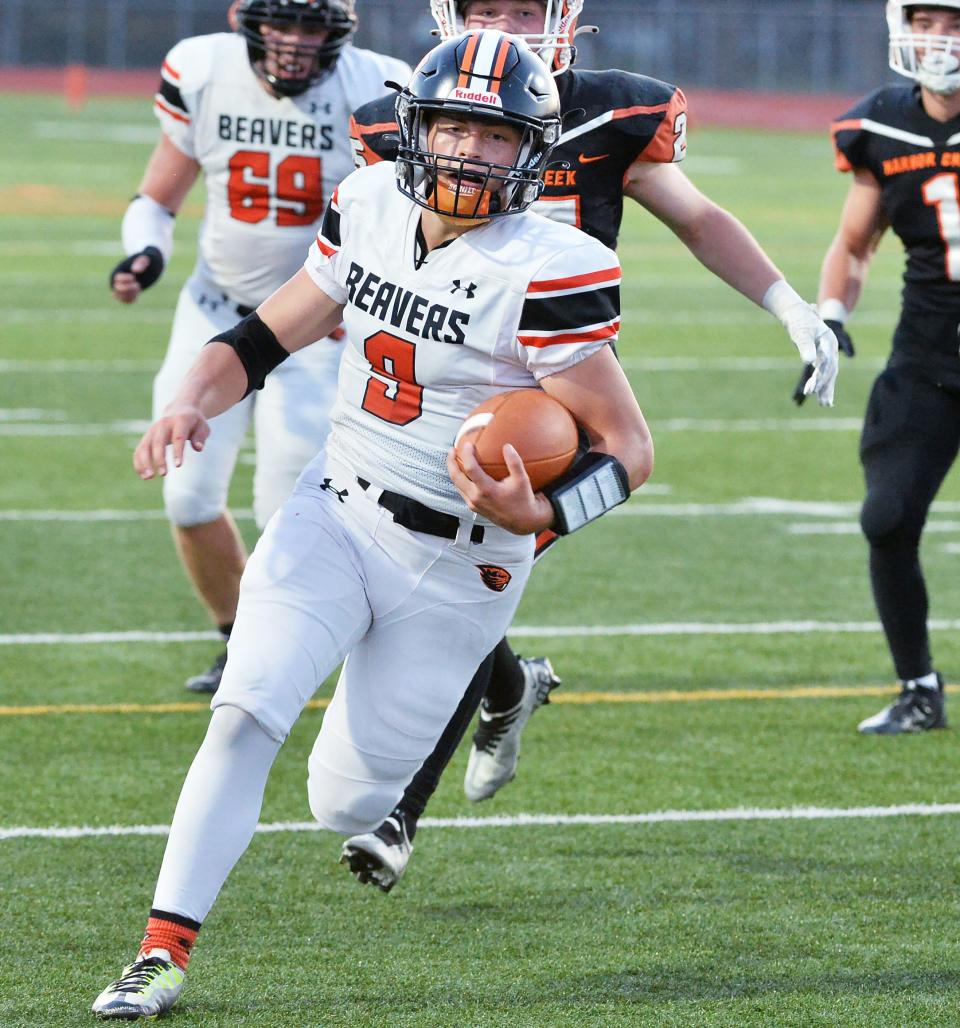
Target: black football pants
x,y
910,438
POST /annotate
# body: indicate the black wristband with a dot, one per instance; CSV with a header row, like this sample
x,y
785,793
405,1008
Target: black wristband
x,y
257,347
150,273
596,483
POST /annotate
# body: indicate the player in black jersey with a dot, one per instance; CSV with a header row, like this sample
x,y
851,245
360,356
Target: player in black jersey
x,y
623,135
902,145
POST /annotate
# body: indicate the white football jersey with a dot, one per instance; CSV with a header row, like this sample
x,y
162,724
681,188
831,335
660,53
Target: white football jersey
x,y
269,163
499,308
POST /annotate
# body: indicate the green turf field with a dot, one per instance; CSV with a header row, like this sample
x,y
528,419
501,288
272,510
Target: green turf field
x,y
824,920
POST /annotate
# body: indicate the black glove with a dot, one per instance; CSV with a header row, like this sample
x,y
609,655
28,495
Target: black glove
x,y
845,345
149,275
798,393
843,337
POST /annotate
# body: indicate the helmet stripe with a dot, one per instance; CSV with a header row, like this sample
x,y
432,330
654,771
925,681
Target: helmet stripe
x,y
468,59
501,60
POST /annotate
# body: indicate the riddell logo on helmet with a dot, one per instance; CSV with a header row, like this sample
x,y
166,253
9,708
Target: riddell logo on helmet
x,y
476,96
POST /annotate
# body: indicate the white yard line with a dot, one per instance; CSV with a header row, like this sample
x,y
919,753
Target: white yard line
x,y
709,426
13,414
744,317
652,629
86,315
67,429
747,364
96,132
638,507
697,364
94,516
59,247
102,638
61,367
533,820
853,528
778,425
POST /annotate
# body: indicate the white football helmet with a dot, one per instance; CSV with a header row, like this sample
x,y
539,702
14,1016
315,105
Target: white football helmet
x,y
933,61
554,45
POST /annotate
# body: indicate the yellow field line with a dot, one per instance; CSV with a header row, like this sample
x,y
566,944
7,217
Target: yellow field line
x,y
665,696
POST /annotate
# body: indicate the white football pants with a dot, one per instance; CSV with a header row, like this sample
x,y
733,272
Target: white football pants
x,y
290,415
331,577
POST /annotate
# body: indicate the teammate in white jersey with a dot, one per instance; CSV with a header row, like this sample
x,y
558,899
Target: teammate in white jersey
x,y
388,554
262,114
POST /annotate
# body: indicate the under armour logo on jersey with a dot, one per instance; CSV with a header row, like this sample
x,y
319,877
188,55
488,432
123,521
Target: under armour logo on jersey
x,y
330,487
316,108
470,289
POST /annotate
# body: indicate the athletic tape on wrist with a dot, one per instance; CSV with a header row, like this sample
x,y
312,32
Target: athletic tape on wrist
x,y
595,484
146,224
779,298
833,310
257,347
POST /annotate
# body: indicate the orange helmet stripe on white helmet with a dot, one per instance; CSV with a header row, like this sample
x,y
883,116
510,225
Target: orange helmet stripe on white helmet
x,y
554,44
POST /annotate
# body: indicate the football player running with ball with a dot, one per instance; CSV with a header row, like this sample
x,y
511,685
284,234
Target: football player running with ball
x,y
262,114
383,556
623,136
902,146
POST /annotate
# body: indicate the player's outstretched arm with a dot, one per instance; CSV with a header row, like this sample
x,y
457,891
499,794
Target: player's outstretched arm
x,y
235,363
725,246
147,228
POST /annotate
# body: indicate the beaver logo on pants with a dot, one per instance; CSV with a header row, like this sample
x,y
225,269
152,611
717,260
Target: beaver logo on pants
x,y
493,577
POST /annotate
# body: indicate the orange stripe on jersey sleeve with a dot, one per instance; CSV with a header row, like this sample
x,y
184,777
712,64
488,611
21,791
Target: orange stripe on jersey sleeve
x,y
167,109
571,338
383,126
662,148
325,248
552,285
840,160
468,58
171,71
850,124
364,154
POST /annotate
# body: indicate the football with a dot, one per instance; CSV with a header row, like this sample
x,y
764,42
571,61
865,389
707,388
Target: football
x,y
538,427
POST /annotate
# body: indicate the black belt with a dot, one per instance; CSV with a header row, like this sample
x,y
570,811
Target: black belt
x,y
416,517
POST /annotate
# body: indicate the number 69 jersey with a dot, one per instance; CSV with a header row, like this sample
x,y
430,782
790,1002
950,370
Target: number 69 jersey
x,y
916,161
501,307
269,162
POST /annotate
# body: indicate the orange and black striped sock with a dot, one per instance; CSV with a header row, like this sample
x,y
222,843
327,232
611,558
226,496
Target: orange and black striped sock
x,y
172,932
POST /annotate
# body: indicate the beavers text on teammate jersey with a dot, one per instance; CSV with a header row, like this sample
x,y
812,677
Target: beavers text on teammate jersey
x,y
902,146
262,115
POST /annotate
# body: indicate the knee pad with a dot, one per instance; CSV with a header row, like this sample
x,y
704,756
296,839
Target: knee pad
x,y
190,501
347,805
885,514
232,726
350,808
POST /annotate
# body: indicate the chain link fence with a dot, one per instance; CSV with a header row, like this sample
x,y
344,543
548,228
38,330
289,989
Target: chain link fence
x,y
774,45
